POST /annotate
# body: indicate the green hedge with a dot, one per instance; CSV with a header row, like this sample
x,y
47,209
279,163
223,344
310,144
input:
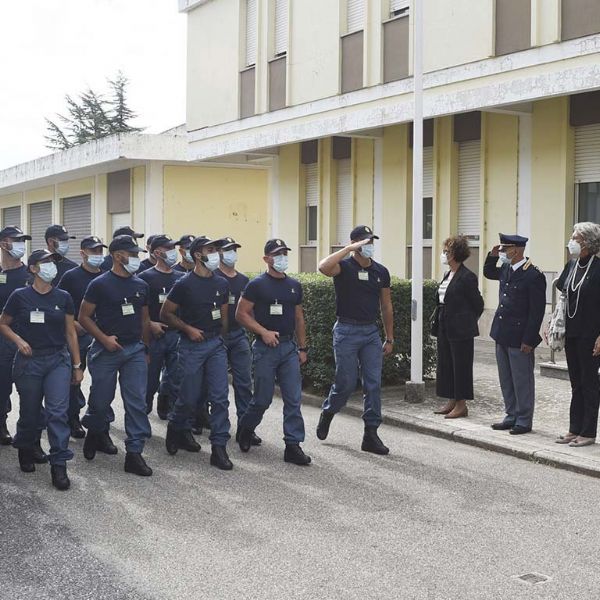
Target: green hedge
x,y
319,310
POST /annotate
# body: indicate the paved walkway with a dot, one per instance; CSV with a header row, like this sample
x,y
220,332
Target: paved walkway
x,y
551,417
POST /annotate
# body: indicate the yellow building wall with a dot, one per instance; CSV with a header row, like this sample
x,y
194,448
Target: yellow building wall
x,y
363,169
327,199
552,211
218,202
213,63
9,200
138,199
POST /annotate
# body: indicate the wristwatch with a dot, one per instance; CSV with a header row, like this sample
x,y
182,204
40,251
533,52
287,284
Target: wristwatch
x,y
305,349
389,341
77,366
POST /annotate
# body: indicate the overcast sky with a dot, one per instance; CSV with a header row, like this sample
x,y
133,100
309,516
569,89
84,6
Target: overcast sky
x,y
49,48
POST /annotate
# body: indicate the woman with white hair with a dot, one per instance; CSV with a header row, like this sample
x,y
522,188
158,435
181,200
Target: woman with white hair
x,y
580,280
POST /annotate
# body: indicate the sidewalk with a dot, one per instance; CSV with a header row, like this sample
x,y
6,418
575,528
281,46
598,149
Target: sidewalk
x,y
551,417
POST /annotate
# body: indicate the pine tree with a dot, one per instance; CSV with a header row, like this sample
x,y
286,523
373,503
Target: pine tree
x,y
121,113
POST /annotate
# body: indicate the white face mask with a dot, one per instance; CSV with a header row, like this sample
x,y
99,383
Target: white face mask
x,y
133,265
368,250
229,258
212,261
444,258
17,250
48,272
574,248
95,260
170,257
280,263
62,247
188,256
504,258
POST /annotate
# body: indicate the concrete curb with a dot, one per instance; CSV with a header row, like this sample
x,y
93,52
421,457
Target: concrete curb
x,y
480,437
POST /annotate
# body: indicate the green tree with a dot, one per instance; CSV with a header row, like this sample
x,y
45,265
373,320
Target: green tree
x,y
91,116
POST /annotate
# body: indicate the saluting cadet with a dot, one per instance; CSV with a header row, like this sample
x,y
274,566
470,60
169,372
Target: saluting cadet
x,y
38,319
115,312
197,307
236,339
57,240
362,291
14,275
163,347
271,307
76,282
108,261
187,262
149,262
516,327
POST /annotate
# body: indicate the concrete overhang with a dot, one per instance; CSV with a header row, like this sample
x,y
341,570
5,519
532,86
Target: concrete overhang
x,y
504,83
187,5
108,154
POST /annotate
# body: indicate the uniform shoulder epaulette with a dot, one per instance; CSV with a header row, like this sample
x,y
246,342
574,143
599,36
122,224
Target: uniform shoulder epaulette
x,y
530,264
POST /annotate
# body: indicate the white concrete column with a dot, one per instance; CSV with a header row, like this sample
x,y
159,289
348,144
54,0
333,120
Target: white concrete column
x,y
274,196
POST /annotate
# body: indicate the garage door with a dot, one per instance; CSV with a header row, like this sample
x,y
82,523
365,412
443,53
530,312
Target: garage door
x,y
11,216
77,220
40,218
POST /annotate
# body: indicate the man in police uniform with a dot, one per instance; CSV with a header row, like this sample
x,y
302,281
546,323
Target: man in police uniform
x,y
57,240
108,261
75,281
516,328
186,263
14,275
163,348
197,307
115,312
362,291
271,307
236,340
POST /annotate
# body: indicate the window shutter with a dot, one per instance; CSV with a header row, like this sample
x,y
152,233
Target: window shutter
x,y
40,218
281,26
587,153
311,184
469,211
251,32
11,216
77,220
399,7
428,172
355,18
120,220
344,200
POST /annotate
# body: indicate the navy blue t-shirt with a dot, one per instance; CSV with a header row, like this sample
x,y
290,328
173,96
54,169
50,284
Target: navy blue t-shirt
x,y
40,318
268,292
236,285
119,302
107,263
76,282
63,267
12,280
179,267
197,298
160,284
357,290
145,265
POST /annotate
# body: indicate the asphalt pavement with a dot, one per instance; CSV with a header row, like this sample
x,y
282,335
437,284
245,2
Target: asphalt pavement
x,y
433,520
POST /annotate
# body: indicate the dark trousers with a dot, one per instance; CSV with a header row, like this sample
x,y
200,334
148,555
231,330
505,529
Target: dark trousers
x,y
585,386
76,397
454,373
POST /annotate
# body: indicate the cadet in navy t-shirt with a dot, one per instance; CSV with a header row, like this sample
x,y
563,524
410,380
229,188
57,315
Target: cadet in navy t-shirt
x,y
362,293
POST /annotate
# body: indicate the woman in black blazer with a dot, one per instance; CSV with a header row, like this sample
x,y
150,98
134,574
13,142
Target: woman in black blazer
x,y
455,325
580,279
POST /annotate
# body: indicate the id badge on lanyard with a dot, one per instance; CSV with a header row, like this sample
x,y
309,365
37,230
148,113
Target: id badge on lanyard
x,y
276,309
2,278
127,308
231,299
363,276
37,316
216,313
162,297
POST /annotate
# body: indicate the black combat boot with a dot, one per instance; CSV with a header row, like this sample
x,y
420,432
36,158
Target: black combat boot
x,y
244,438
172,440
90,445
77,431
105,444
39,456
5,437
135,463
220,459
163,406
26,461
60,480
324,423
254,439
372,442
187,442
295,455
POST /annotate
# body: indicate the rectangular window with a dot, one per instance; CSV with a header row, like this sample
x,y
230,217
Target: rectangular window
x,y
11,216
427,220
579,18
588,202
469,207
118,191
355,16
251,32
399,8
281,27
311,194
513,26
77,219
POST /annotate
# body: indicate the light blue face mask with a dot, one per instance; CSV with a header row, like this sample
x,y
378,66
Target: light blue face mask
x,y
133,265
229,258
368,250
62,247
188,257
17,250
48,272
504,259
280,263
170,257
212,261
95,260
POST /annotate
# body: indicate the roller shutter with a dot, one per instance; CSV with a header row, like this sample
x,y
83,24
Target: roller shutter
x,y
355,18
11,216
40,218
281,26
469,193
251,32
77,220
428,172
587,153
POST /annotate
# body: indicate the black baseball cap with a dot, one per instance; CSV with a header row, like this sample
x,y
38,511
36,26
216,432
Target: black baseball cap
x,y
92,242
161,241
127,231
12,231
124,242
186,240
59,232
274,245
362,232
38,255
200,242
227,243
